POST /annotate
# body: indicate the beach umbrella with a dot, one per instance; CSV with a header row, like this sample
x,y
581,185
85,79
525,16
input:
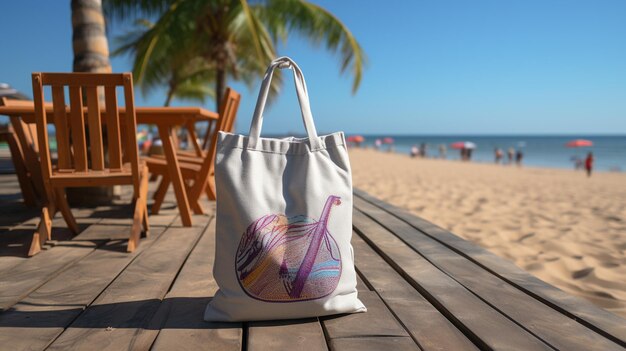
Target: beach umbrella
x,y
8,92
463,145
579,143
388,140
355,139
458,145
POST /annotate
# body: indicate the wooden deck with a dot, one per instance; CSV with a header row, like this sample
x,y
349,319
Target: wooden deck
x,y
424,287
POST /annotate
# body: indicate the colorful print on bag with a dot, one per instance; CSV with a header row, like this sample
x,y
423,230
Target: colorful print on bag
x,y
283,259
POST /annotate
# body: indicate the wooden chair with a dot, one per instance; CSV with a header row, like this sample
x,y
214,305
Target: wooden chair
x,y
25,154
197,171
73,168
19,165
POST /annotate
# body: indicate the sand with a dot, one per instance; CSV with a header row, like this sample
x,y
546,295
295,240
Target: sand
x,y
557,224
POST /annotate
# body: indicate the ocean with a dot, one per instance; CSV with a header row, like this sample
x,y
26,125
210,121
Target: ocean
x,y
540,151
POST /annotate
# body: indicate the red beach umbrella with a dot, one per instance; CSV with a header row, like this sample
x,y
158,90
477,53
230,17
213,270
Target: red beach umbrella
x,y
458,145
355,139
388,141
579,143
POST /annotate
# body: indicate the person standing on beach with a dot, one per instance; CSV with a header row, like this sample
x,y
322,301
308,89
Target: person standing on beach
x,y
519,155
423,149
442,151
511,154
498,155
377,144
415,151
589,164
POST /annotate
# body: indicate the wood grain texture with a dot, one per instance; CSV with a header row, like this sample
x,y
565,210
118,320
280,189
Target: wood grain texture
x,y
126,307
180,317
431,329
481,323
549,325
373,343
39,318
582,310
95,129
300,334
378,321
61,127
31,274
77,122
114,142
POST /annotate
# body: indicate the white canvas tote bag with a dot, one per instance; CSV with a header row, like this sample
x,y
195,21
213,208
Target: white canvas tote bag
x,y
284,221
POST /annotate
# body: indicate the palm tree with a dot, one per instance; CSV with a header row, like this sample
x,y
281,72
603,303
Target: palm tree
x,y
89,41
91,54
225,39
186,76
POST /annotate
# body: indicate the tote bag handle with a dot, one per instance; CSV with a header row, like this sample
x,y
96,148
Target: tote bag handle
x,y
303,99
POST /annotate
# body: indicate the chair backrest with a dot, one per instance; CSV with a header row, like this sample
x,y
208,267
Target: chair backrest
x,y
73,131
225,122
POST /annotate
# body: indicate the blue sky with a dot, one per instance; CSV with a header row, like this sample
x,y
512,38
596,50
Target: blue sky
x,y
435,67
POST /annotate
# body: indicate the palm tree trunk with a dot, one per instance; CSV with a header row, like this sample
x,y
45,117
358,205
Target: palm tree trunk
x,y
89,41
169,97
91,54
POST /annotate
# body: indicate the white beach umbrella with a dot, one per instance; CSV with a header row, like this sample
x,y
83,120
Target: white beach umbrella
x,y
470,145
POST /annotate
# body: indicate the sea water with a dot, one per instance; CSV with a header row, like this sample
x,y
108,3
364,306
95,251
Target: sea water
x,y
541,151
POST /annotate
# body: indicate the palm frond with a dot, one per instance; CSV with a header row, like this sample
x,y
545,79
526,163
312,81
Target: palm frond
x,y
319,26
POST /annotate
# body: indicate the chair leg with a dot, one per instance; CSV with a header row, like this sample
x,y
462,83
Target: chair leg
x,y
140,212
194,201
159,195
146,225
44,230
26,185
165,182
211,188
64,207
135,231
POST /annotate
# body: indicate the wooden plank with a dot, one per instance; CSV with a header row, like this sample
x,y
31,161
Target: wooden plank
x,y
22,279
181,315
34,322
551,326
17,156
131,150
77,122
117,316
114,140
61,128
14,245
360,284
482,324
372,343
95,129
583,311
423,321
42,133
82,79
297,334
377,321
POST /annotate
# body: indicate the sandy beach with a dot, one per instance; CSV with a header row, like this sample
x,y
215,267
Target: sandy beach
x,y
564,228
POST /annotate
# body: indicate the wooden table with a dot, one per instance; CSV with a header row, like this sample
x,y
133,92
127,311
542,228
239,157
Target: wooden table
x,y
165,118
